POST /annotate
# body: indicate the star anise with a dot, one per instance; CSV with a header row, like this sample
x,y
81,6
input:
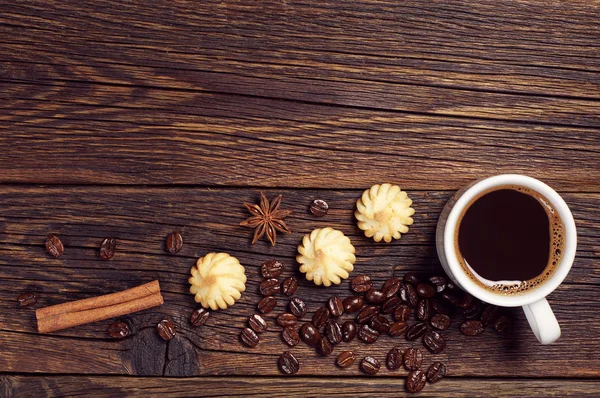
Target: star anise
x,y
267,218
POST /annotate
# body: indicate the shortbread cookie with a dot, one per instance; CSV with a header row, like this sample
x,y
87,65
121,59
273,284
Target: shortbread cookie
x,y
384,212
326,256
217,280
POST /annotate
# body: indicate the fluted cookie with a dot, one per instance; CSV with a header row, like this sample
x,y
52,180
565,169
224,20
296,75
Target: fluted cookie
x,y
217,280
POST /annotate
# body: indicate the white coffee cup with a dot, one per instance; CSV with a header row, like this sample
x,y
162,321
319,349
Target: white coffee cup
x,y
534,303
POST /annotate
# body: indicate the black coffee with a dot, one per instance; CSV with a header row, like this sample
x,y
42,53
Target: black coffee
x,y
510,239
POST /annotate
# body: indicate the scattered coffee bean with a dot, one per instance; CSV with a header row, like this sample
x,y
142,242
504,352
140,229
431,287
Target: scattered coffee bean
x,y
288,363
370,365
424,310
319,207
502,324
353,304
451,298
413,278
290,336
119,330
267,304
402,313
199,317
107,248
409,295
349,330
366,314
27,299
434,341
166,329
415,331
324,347
286,319
269,287
440,321
54,246
174,242
398,328
336,306
345,359
467,301
380,323
257,323
320,317
394,359
249,337
333,331
310,334
489,315
298,307
374,296
415,381
473,311
368,334
425,290
472,328
413,358
289,287
361,283
391,287
390,305
439,282
271,269
439,307
436,372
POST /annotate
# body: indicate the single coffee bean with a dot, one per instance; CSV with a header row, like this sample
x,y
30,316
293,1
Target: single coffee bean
x,y
368,334
440,321
320,317
451,298
267,304
436,372
450,286
333,331
502,324
365,315
166,329
119,330
319,207
374,296
466,301
257,323
413,358
412,296
424,310
54,246
290,336
199,317
353,304
439,307
288,363
27,299
361,283
425,290
489,315
349,330
472,328
310,334
415,381
271,269
107,248
336,306
391,287
402,313
413,278
289,287
390,305
345,359
434,341
394,359
473,311
286,319
370,365
324,347
174,242
415,331
439,282
298,307
380,323
269,287
249,337
398,328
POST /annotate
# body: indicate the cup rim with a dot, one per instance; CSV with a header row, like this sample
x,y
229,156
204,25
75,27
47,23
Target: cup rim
x,y
563,268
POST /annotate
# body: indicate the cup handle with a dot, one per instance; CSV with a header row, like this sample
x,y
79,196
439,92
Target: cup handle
x,y
542,321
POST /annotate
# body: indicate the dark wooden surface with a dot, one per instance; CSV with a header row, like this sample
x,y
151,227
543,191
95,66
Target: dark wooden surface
x,y
129,120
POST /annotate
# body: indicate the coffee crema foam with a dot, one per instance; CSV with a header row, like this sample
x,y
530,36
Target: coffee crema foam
x,y
557,246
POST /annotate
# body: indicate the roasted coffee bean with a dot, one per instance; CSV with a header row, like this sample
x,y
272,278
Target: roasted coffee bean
x,y
336,306
320,317
286,319
349,330
288,363
366,314
249,337
27,299
267,304
380,323
353,304
451,298
368,334
425,290
369,365
374,296
269,287
289,286
333,331
415,331
310,334
434,341
119,330
271,269
107,248
466,301
290,336
298,307
257,323
411,296
413,278
394,359
199,317
319,207
436,372
502,324
413,358
489,315
415,381
424,310
54,246
440,321
473,311
398,328
439,282
439,307
361,283
345,359
174,242
166,329
390,305
472,328
324,347
402,313
452,287
391,287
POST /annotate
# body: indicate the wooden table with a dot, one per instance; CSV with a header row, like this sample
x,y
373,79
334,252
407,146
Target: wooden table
x,y
131,119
